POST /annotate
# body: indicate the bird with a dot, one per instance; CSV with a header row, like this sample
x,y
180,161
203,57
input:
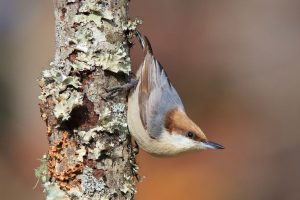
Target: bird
x,y
156,116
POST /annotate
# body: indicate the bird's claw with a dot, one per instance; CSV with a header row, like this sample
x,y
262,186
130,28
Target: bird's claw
x,y
114,91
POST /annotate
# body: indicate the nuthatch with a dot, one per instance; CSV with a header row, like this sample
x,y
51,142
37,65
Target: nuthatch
x,y
156,115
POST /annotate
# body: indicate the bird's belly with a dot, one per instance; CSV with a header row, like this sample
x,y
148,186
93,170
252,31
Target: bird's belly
x,y
135,125
156,146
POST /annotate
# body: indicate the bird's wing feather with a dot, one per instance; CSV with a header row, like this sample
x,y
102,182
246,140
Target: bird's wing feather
x,y
157,96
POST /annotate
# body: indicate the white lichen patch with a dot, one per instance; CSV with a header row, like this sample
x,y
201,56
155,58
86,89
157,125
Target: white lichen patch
x,y
79,66
84,19
89,184
81,152
56,81
117,62
54,192
82,39
98,36
94,6
86,136
88,39
71,80
118,108
113,122
66,102
62,87
96,152
118,152
89,5
132,25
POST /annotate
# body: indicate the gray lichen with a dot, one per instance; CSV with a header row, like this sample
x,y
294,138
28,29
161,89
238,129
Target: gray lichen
x,y
90,184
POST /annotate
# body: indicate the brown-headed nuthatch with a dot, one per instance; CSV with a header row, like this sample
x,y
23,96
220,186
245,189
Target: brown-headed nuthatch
x,y
156,115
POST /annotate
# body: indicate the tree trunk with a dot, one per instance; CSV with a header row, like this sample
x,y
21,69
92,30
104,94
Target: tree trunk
x,y
90,153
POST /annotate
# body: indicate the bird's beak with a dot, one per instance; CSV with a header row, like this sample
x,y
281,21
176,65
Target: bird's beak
x,y
212,145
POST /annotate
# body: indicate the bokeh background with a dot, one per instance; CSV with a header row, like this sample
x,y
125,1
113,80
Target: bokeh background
x,y
236,66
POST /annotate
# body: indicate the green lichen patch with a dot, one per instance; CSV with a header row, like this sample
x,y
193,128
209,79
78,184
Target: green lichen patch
x,y
82,39
116,62
89,38
42,171
53,192
66,102
79,66
86,137
113,121
55,81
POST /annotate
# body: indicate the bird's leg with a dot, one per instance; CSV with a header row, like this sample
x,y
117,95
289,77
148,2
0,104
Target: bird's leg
x,y
114,91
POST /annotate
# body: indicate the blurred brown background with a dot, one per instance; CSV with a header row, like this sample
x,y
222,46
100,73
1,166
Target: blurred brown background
x,y
236,66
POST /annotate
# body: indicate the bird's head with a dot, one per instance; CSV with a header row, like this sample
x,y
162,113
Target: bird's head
x,y
185,134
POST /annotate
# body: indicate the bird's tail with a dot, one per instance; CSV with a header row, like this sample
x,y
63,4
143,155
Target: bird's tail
x,y
144,42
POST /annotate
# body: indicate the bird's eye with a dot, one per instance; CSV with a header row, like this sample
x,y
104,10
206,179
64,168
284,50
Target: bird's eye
x,y
190,135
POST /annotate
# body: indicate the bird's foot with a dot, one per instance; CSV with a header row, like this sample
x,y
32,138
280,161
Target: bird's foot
x,y
114,91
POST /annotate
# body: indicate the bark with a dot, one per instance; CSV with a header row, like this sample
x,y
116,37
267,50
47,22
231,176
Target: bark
x,y
90,152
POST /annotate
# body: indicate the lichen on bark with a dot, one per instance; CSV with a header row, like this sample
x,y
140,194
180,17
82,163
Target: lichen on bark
x,y
90,152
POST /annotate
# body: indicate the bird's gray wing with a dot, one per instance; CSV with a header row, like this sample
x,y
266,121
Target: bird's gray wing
x,y
157,96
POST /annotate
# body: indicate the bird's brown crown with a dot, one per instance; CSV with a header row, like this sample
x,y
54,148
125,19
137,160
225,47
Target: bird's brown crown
x,y
178,122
